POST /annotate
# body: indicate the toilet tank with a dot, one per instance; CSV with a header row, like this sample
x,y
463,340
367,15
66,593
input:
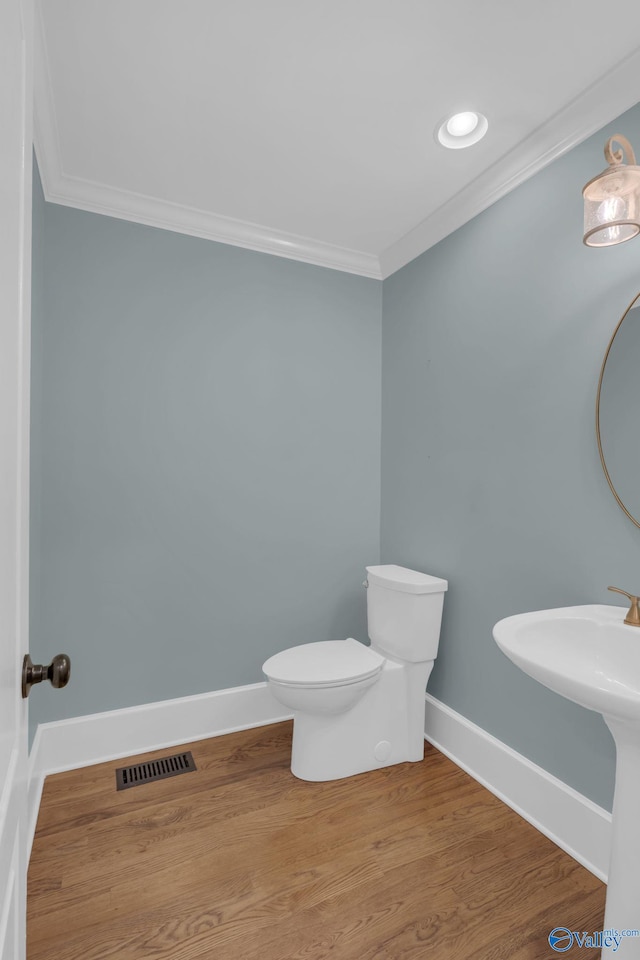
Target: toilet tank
x,y
404,612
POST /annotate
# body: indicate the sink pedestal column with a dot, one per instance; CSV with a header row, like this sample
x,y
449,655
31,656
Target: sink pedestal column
x,y
622,911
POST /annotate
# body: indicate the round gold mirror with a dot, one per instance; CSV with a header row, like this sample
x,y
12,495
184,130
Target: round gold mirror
x,y
617,409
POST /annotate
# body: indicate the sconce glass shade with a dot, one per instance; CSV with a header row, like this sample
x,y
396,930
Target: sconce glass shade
x,y
612,199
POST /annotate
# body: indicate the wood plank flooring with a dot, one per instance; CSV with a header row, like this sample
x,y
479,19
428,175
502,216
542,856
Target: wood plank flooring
x,y
241,861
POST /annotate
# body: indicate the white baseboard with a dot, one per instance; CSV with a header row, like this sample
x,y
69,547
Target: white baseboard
x,y
571,820
95,738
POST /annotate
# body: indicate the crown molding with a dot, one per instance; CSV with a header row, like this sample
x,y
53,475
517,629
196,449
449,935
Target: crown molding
x,y
82,194
596,106
125,205
63,189
604,100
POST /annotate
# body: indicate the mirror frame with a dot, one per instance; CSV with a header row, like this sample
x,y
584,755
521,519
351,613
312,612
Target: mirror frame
x,y
598,437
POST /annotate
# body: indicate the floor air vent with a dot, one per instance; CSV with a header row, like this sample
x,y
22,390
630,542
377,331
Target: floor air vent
x,y
154,770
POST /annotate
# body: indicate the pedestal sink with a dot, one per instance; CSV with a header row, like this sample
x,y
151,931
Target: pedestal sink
x,y
587,654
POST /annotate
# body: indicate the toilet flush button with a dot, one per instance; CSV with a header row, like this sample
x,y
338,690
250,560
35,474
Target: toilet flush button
x,y
382,751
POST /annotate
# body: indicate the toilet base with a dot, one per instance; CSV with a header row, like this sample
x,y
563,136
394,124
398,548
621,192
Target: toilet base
x,y
386,726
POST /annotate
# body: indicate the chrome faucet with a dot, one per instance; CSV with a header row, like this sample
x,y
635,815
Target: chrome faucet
x,y
633,616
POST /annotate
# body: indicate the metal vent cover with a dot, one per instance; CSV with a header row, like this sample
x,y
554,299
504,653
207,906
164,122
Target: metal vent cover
x,y
160,769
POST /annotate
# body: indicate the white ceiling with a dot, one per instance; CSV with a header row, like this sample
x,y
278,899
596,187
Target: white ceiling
x,y
305,127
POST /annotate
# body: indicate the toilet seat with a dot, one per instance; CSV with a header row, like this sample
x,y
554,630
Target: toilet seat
x,y
328,663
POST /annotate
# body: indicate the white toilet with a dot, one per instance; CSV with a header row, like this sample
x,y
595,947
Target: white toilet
x,y
357,708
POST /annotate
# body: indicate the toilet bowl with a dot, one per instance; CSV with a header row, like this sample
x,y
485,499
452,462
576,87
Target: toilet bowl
x,y
358,708
325,678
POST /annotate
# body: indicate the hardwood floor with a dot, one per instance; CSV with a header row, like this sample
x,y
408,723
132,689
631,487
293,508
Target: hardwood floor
x,y
241,861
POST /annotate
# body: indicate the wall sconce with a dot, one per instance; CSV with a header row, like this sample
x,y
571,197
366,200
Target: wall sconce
x,y
612,199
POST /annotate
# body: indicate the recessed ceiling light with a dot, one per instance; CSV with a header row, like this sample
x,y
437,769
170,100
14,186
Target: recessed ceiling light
x,y
460,124
462,129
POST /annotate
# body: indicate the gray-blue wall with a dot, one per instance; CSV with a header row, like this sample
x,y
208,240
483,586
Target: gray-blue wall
x,y
206,447
206,462
492,345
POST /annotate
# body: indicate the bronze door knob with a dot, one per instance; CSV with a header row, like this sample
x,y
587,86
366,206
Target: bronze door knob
x,y
57,672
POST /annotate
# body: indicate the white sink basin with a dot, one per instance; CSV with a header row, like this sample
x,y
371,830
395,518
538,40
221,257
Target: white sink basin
x,y
587,654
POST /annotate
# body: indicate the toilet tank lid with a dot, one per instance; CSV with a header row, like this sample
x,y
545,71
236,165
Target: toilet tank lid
x,y
393,577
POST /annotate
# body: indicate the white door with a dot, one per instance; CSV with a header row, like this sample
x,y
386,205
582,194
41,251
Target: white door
x,y
16,46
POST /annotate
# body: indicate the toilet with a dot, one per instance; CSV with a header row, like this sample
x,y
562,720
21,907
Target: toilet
x,y
358,708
